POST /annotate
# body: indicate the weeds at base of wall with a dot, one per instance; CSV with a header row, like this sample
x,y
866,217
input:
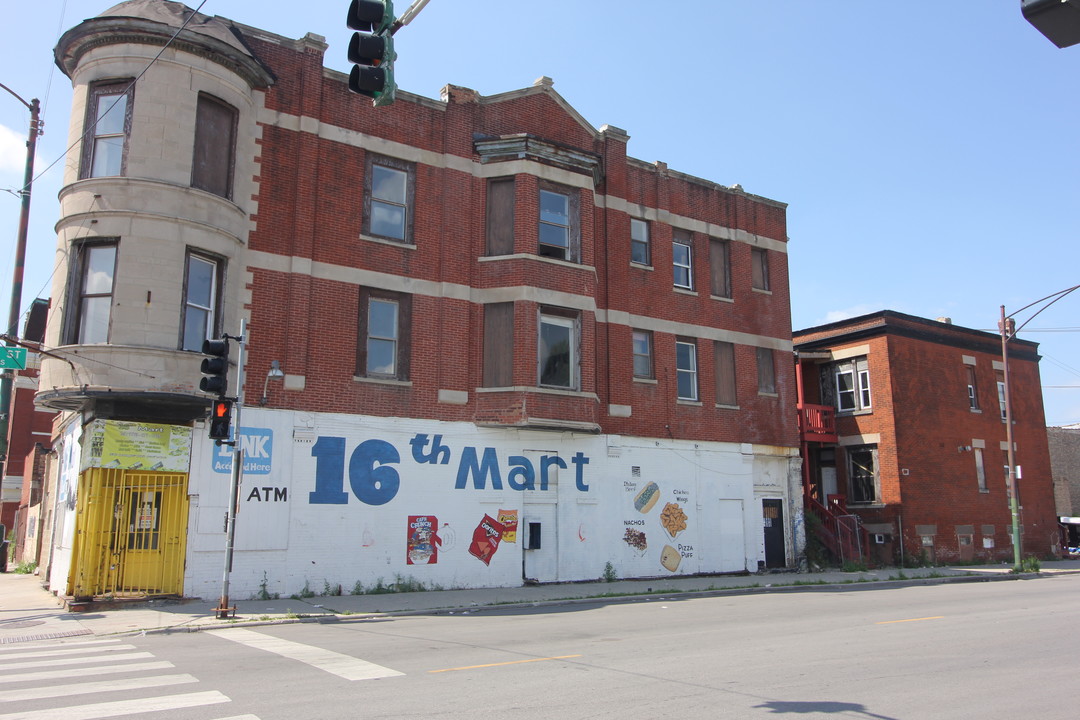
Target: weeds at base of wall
x,y
263,593
609,572
853,566
26,568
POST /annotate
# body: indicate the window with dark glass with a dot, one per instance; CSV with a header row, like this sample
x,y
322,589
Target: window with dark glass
x,y
215,146
106,129
766,371
720,268
384,335
724,364
972,388
643,354
862,474
201,288
759,269
389,198
558,352
96,268
639,241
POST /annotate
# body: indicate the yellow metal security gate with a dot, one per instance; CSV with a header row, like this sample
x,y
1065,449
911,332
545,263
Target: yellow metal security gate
x,y
131,531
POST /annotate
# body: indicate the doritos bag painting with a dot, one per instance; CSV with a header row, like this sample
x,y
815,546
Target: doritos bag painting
x,y
485,539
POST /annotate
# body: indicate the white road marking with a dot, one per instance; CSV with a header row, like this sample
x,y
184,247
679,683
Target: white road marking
x,y
122,707
344,666
65,651
53,645
6,668
83,672
95,687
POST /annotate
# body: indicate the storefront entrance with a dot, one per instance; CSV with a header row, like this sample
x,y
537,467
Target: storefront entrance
x,y
131,533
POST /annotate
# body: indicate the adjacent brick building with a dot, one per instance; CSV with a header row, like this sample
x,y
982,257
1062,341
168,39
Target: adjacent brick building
x,y
918,449
500,328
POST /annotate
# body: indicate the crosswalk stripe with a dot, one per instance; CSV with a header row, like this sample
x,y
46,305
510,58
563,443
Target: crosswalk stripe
x,y
344,666
6,667
122,707
95,687
83,672
52,645
66,651
240,717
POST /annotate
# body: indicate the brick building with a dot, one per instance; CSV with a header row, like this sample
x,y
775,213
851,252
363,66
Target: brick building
x,y
528,354
903,430
30,426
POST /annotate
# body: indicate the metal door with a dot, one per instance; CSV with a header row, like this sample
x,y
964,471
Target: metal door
x,y
131,531
772,520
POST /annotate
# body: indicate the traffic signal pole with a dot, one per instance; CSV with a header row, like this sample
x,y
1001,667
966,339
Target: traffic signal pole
x,y
224,610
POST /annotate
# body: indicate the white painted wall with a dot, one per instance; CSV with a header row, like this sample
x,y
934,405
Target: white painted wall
x,y
302,519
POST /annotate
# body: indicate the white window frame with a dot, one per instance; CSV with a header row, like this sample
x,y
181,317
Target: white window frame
x,y
210,325
566,249
570,324
376,167
682,267
392,339
637,337
690,372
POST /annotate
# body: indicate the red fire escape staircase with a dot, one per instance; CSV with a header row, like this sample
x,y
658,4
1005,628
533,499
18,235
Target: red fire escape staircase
x,y
838,530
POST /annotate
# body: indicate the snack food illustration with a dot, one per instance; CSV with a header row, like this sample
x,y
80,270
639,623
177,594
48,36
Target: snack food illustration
x,y
635,539
670,558
648,496
673,519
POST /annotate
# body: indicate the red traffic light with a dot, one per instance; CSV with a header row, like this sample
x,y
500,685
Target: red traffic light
x,y
221,420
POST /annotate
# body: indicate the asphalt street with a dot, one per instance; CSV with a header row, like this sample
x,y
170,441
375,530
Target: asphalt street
x,y
988,650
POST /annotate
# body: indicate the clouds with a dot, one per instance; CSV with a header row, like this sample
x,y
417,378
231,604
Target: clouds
x,y
12,153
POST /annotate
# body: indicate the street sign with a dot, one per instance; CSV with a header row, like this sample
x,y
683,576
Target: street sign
x,y
13,358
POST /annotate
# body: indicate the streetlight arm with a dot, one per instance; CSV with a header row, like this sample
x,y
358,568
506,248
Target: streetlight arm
x,y
28,105
1057,296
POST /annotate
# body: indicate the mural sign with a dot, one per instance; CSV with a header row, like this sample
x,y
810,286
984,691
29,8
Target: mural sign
x,y
138,446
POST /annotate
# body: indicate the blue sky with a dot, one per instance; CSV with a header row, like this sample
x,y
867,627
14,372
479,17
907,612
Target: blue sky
x,y
928,152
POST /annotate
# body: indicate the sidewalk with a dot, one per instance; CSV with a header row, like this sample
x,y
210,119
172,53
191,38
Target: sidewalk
x,y
29,613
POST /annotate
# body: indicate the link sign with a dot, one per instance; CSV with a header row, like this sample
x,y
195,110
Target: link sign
x,y
13,358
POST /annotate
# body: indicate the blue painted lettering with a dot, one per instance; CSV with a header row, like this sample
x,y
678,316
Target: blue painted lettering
x,y
329,453
370,484
521,467
439,454
470,466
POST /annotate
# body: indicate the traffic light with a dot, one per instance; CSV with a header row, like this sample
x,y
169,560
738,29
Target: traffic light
x,y
221,420
372,50
1058,20
215,367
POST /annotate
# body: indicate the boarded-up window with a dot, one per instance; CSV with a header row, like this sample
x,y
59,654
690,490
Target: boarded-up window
x,y
759,269
500,216
215,146
724,362
499,344
720,268
766,371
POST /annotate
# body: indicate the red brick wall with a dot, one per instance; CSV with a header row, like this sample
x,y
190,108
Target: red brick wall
x,y
310,206
920,408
